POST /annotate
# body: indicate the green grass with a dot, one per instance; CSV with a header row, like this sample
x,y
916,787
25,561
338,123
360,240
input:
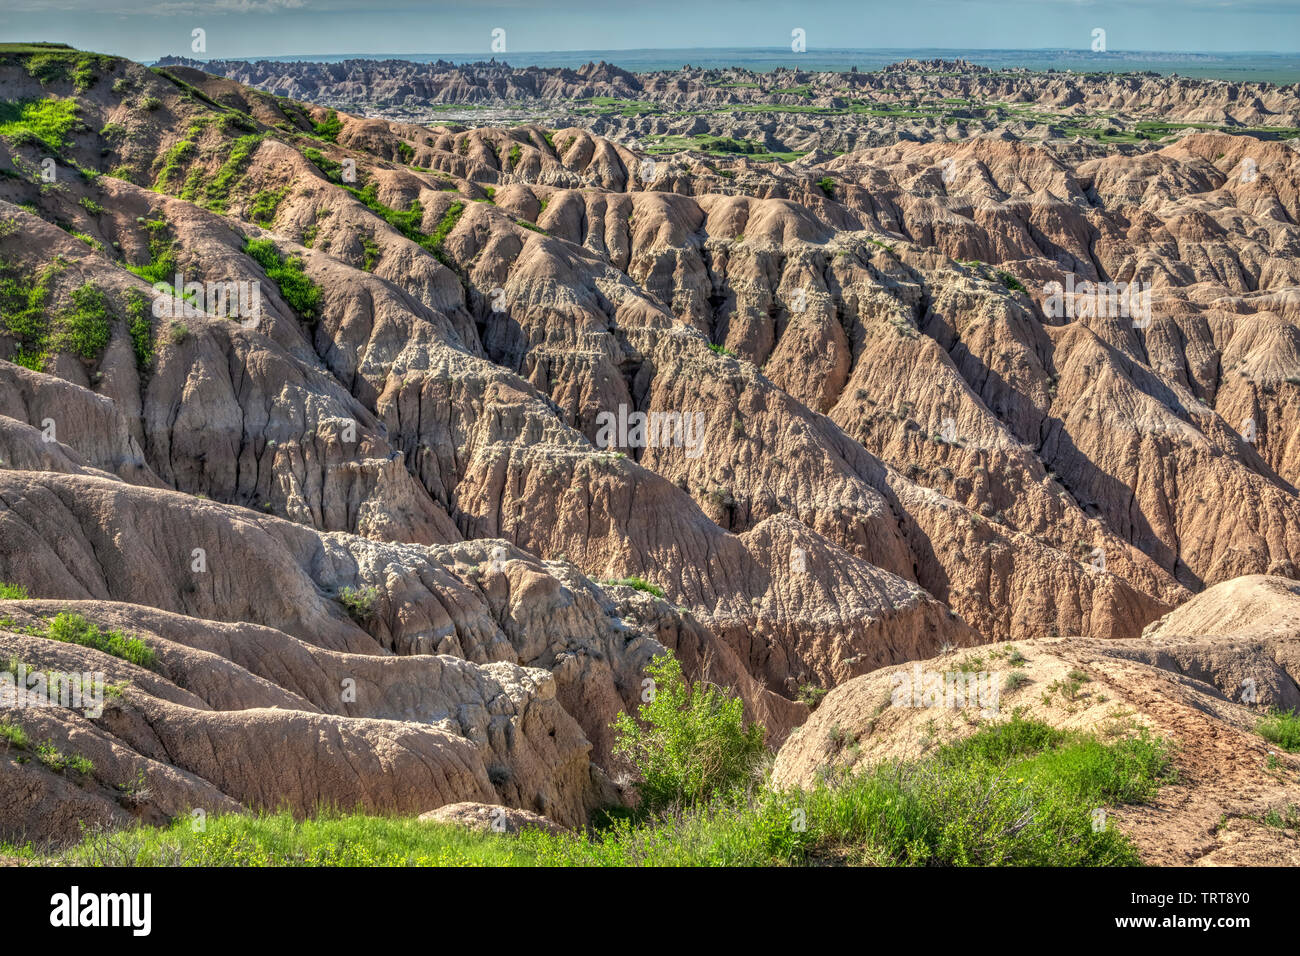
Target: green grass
x,y
13,735
161,266
140,328
265,204
717,349
302,295
1281,727
640,584
71,628
717,146
51,63
371,252
409,222
1010,281
1016,793
82,327
218,191
43,122
23,314
174,160
330,127
13,592
85,327
58,761
329,167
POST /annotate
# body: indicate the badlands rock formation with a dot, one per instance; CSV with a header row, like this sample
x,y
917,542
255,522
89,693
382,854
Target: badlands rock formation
x,y
786,110
377,530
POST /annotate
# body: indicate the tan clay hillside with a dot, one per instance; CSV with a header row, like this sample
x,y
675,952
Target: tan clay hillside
x,y
376,511
1185,689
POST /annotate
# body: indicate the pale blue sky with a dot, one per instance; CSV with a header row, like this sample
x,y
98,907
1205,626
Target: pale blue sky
x,y
249,28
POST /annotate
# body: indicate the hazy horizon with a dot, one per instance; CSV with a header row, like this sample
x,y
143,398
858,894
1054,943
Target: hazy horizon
x,y
264,29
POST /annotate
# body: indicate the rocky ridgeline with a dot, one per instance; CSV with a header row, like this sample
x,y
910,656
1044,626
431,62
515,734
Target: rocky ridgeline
x,y
787,110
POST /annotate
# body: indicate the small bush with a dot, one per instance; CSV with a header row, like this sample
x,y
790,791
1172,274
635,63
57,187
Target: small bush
x,y
13,735
359,602
1281,727
1010,281
827,186
218,191
688,743
13,592
58,761
812,695
86,326
322,162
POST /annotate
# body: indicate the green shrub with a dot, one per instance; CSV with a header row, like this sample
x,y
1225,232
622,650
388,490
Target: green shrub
x,y
1281,727
82,327
174,160
371,253
687,743
161,266
13,735
71,628
359,602
86,326
302,295
1017,793
812,695
1010,281
13,592
409,223
58,761
827,186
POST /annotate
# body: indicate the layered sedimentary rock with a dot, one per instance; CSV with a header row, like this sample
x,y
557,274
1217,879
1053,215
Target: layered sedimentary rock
x,y
387,547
